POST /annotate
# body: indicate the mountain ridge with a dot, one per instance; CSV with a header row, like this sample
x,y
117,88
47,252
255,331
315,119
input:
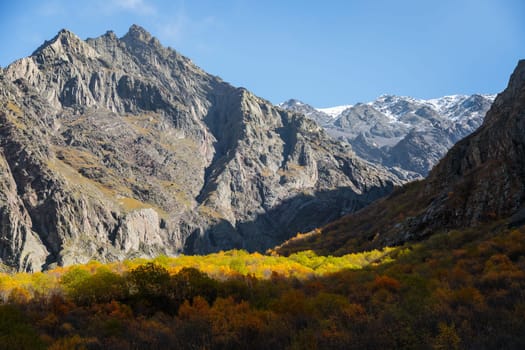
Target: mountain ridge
x,y
114,148
402,133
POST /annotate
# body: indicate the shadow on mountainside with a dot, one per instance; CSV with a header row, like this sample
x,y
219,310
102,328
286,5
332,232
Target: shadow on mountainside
x,y
301,213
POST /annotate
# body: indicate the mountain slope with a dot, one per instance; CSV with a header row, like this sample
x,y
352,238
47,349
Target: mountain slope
x,y
480,180
118,147
405,134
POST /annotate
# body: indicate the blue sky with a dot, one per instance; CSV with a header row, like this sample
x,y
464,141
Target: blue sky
x,y
323,52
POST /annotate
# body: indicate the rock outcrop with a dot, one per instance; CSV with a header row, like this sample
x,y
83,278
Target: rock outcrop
x,y
119,147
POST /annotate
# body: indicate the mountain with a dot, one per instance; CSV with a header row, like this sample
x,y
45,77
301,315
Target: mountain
x,y
114,148
402,133
480,180
320,117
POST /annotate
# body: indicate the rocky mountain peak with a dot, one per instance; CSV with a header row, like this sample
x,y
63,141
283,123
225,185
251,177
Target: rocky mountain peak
x,y
64,46
290,103
110,35
139,37
65,34
309,111
113,148
138,33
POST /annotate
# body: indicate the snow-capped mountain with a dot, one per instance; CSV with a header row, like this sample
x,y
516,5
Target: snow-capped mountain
x,y
406,134
453,107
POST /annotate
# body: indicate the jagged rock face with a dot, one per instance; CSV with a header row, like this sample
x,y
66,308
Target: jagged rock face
x,y
406,135
118,147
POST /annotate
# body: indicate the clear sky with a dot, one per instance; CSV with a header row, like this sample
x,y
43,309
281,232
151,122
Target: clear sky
x,y
325,53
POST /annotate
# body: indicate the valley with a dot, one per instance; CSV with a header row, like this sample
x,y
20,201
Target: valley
x,y
147,204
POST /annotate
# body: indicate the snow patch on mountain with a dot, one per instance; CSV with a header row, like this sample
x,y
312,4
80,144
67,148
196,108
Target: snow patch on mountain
x,y
334,112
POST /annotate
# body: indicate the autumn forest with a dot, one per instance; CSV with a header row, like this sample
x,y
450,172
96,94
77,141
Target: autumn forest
x,y
462,289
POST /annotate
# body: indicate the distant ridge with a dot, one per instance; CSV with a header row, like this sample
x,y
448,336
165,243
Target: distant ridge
x,y
407,135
